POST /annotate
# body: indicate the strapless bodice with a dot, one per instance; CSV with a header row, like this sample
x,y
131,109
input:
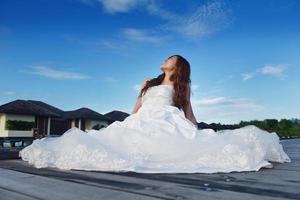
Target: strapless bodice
x,y
158,95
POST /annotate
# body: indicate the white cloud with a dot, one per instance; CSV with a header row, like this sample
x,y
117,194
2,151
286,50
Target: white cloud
x,y
154,9
137,87
210,101
110,45
204,21
139,35
247,76
115,6
225,101
129,37
224,109
272,70
57,74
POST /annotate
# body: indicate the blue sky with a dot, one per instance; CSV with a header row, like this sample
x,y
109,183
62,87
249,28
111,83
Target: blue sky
x,y
244,55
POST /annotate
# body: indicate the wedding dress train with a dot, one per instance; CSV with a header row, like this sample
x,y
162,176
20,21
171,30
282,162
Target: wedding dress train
x,y
158,138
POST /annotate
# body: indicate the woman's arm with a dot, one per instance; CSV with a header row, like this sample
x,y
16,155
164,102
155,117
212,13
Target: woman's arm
x,y
188,111
137,106
138,103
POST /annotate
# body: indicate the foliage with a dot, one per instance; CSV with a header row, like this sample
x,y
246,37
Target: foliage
x,y
19,125
283,127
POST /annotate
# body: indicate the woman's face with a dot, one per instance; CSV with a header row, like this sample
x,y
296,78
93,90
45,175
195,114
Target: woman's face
x,y
168,64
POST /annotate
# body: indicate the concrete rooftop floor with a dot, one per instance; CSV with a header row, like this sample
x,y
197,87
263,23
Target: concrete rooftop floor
x,y
19,180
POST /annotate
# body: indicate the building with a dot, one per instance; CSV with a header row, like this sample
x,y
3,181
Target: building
x,y
26,113
116,115
28,119
86,119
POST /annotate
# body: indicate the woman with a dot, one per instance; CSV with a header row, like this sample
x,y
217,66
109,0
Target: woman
x,y
176,73
160,136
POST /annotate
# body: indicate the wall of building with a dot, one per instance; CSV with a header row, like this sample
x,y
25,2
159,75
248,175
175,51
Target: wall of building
x,y
2,122
73,123
14,133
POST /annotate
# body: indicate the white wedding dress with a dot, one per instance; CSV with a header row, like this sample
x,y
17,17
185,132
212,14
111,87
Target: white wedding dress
x,y
158,139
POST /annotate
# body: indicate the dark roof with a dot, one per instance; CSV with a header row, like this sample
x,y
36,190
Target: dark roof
x,y
47,106
24,107
85,113
117,115
33,107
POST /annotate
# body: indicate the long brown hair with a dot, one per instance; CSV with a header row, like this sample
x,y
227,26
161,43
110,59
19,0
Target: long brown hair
x,y
180,78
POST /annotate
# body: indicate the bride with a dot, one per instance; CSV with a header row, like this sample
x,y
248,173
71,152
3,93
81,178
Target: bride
x,y
160,136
